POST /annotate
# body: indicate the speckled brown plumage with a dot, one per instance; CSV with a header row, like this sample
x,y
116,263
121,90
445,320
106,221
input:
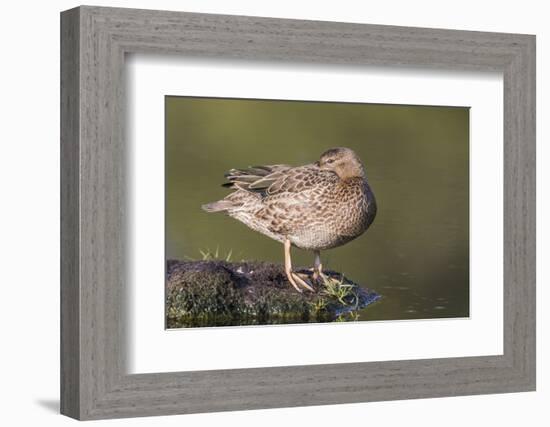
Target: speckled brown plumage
x,y
315,207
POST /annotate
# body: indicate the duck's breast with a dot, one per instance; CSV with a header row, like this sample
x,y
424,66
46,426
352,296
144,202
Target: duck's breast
x,y
341,215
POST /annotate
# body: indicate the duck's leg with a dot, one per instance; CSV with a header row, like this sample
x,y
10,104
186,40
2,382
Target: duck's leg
x,y
293,278
288,266
318,267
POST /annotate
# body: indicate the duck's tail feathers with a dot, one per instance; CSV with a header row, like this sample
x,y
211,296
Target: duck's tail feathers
x,y
219,206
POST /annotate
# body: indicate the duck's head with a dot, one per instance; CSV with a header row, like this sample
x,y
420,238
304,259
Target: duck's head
x,y
343,161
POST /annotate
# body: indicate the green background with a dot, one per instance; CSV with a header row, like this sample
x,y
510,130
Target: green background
x,y
416,253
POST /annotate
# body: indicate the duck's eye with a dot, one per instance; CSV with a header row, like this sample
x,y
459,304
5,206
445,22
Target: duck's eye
x,y
329,161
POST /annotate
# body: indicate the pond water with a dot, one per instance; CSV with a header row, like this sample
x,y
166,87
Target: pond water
x,y
416,253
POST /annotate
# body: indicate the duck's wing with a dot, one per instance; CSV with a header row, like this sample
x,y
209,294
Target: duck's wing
x,y
244,178
274,179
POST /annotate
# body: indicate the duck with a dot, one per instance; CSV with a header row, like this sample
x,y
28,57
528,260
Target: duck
x,y
315,207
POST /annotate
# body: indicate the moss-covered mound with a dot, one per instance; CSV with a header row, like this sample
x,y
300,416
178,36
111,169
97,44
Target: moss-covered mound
x,y
220,293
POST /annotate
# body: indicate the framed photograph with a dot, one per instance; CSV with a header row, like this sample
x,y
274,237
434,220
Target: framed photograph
x,y
262,213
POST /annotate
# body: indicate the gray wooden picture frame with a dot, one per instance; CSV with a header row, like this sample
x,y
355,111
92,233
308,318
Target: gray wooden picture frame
x,y
94,382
